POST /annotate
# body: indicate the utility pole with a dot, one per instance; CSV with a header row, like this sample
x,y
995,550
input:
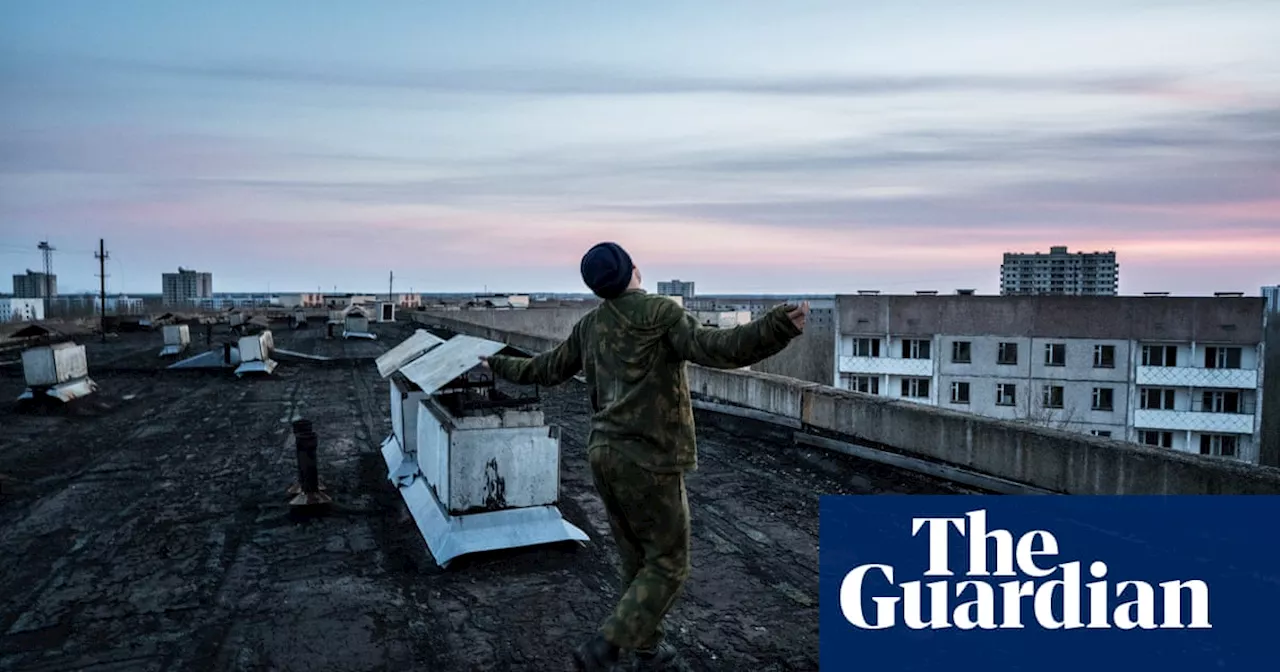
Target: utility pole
x,y
102,277
391,278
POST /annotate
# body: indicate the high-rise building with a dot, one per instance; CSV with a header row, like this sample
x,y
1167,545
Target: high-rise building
x,y
35,285
186,286
1272,294
1183,373
1060,273
676,288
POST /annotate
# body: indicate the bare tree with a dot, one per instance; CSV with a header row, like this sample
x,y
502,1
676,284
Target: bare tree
x,y
1037,413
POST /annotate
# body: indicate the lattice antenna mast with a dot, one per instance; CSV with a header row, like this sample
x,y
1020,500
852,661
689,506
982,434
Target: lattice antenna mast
x,y
47,251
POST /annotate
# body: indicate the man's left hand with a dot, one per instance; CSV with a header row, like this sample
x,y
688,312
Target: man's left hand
x,y
798,315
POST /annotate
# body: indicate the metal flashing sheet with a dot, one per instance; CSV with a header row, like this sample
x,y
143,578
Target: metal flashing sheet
x,y
408,350
449,360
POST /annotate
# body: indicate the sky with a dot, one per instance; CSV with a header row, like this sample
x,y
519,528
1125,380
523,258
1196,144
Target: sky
x,y
752,146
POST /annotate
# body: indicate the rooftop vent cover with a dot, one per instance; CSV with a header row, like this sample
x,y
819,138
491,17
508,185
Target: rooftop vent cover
x,y
255,354
478,469
176,339
355,324
59,371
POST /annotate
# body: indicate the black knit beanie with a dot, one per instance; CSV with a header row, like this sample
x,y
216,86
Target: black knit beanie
x,y
606,268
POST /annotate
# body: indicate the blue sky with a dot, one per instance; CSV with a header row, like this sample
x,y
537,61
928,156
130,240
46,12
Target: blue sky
x,y
750,146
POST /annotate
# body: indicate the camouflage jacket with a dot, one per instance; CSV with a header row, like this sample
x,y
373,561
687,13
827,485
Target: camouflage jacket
x,y
633,350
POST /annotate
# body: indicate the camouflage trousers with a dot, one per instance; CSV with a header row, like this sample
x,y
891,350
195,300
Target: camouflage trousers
x,y
649,515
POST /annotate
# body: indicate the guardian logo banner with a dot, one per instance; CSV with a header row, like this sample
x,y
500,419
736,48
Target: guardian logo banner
x,y
1049,583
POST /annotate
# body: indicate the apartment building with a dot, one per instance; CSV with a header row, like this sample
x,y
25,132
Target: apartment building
x,y
91,304
303,300
727,319
186,287
21,310
1180,373
1060,273
678,288
408,301
34,285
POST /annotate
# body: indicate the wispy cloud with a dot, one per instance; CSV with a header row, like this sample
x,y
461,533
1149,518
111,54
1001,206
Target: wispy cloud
x,y
598,82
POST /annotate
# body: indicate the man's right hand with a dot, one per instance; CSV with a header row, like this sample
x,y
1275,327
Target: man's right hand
x,y
798,314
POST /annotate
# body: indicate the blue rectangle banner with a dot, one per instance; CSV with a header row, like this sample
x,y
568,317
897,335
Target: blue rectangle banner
x,y
1046,583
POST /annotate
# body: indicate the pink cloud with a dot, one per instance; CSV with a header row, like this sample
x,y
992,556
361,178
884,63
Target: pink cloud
x,y
1246,210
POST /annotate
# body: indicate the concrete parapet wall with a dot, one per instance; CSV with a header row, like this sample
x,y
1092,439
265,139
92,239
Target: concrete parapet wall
x,y
810,358
546,322
1054,460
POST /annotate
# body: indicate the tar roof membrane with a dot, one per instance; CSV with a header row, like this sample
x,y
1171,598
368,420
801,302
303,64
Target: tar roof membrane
x,y
163,540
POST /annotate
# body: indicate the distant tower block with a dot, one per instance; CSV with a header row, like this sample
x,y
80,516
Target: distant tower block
x,y
478,470
58,371
176,339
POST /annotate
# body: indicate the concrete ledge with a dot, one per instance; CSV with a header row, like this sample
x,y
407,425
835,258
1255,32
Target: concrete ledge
x,y
1047,459
953,474
751,413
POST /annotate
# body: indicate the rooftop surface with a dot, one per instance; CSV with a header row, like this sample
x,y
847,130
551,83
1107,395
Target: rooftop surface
x,y
151,530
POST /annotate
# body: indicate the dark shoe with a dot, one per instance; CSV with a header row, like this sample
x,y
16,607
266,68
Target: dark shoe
x,y
596,654
663,657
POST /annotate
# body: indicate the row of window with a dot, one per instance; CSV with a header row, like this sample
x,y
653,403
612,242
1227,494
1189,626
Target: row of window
x,y
1220,445
1214,357
1053,396
1211,401
1006,393
1055,354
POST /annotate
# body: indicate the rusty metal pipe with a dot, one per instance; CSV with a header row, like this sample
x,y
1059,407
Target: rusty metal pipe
x,y
308,473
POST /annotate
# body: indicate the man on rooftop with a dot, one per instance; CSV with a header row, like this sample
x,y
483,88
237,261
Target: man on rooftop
x,y
632,350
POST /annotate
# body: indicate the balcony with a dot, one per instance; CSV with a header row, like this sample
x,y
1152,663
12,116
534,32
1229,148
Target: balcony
x,y
1195,376
893,366
1194,421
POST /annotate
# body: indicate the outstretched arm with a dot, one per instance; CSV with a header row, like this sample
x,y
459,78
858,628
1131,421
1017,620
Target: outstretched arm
x,y
547,369
737,347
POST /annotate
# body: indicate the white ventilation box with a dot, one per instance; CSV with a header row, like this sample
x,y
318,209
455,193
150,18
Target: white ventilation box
x,y
255,354
50,365
176,339
60,371
386,312
356,325
478,470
